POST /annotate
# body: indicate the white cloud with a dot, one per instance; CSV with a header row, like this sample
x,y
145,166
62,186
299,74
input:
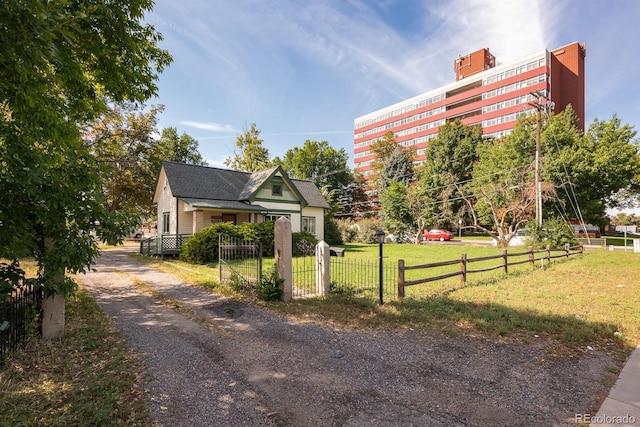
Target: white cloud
x,y
213,127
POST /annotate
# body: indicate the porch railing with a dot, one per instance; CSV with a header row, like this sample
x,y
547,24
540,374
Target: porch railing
x,y
164,244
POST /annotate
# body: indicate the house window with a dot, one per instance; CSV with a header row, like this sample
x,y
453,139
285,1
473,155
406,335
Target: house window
x,y
165,222
309,224
275,217
276,189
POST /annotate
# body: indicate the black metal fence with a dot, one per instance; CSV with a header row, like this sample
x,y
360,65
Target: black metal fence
x,y
362,278
20,317
347,276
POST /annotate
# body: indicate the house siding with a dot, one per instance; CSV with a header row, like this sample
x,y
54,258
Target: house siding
x,y
318,213
166,203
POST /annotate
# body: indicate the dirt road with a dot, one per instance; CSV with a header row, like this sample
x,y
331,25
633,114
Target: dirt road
x,y
250,367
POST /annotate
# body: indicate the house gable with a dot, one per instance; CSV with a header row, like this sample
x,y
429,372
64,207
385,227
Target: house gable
x,y
272,185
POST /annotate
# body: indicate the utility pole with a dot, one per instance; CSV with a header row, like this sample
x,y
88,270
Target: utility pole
x,y
539,106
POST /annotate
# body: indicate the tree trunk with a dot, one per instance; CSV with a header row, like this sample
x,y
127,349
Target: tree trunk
x,y
53,308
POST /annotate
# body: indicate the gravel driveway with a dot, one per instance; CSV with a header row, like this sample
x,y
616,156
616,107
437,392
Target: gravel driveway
x,y
250,367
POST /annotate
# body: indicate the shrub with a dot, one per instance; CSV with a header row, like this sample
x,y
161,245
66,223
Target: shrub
x,y
332,234
269,287
555,232
262,232
202,247
367,230
348,230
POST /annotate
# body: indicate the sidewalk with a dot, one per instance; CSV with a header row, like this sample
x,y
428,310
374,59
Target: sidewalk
x,y
622,406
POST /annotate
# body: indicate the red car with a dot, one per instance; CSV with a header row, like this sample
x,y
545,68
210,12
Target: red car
x,y
437,234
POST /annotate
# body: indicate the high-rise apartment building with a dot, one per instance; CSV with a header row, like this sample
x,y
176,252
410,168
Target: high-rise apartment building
x,y
484,94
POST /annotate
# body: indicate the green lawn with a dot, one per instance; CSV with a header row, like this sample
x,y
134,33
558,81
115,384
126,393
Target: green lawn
x,y
587,300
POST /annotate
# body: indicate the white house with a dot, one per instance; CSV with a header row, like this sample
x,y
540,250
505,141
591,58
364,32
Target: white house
x,y
191,197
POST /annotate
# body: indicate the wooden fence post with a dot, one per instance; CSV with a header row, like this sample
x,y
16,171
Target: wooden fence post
x,y
463,268
531,257
566,250
400,278
505,261
548,254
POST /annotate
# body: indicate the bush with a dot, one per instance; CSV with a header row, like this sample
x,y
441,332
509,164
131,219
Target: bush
x,y
202,247
332,234
367,230
348,230
263,232
269,287
555,232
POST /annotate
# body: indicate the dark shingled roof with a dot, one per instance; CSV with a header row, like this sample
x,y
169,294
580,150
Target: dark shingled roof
x,y
209,183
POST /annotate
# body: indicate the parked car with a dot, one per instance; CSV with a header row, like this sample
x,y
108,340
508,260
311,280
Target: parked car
x,y
136,233
437,234
521,238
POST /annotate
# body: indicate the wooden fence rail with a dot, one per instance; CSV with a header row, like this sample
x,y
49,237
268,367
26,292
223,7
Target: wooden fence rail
x,y
464,262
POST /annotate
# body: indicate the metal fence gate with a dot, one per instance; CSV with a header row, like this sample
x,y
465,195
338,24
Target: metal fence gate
x,y
240,261
304,270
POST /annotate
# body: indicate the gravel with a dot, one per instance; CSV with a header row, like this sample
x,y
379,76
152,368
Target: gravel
x,y
253,368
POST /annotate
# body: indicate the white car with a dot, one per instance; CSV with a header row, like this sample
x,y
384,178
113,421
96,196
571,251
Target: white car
x,y
521,238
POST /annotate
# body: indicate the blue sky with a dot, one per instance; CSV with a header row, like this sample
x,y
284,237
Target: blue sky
x,y
306,69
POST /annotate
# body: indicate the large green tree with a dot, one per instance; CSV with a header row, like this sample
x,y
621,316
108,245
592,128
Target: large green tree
x,y
176,148
124,140
327,168
397,168
251,155
592,171
61,63
447,170
317,161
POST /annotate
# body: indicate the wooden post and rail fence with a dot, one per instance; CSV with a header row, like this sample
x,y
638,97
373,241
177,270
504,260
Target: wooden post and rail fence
x,y
533,255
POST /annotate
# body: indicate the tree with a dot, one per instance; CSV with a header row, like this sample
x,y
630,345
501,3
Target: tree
x,y
327,168
182,149
593,170
396,209
251,155
382,150
123,141
502,194
319,162
61,63
446,171
397,168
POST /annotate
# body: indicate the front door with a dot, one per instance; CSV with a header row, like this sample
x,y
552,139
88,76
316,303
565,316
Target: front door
x,y
229,218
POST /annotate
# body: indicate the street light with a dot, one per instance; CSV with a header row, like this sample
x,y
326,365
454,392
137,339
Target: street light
x,y
380,240
460,228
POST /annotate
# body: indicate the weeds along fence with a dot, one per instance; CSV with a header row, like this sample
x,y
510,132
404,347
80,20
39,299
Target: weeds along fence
x,y
463,267
20,317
